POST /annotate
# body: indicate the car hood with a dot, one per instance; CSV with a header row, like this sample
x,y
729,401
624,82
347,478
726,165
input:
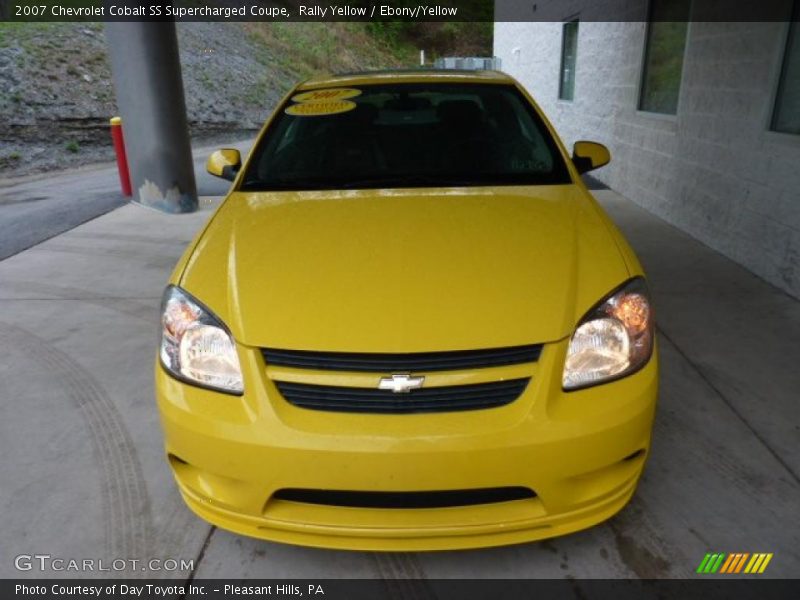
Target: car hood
x,y
404,270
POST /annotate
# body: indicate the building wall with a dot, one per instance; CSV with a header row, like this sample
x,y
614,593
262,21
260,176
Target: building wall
x,y
714,170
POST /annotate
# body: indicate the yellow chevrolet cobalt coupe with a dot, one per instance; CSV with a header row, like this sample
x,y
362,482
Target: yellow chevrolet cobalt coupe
x,y
409,326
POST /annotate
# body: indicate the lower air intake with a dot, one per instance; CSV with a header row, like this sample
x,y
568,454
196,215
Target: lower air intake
x,y
432,499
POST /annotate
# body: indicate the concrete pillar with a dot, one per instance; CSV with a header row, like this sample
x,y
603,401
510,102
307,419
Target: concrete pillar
x,y
149,88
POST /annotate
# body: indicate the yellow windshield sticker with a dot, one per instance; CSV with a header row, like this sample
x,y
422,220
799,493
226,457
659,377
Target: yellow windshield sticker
x,y
316,109
327,95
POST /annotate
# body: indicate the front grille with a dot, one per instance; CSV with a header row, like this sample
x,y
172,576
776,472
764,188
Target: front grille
x,y
434,399
399,363
433,499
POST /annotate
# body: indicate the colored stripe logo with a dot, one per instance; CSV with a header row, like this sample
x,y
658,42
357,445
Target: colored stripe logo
x,y
735,562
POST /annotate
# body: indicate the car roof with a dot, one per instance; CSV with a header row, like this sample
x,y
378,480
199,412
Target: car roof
x,y
407,76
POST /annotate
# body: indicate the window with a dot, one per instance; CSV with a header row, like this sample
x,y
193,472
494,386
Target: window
x,y
663,58
786,114
569,52
408,135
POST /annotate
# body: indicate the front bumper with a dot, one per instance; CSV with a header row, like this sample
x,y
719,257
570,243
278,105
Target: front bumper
x,y
581,452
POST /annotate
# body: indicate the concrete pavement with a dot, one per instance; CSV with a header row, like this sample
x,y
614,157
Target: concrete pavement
x,y
83,473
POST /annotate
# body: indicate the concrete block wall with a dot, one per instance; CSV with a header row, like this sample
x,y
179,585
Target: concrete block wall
x,y
714,170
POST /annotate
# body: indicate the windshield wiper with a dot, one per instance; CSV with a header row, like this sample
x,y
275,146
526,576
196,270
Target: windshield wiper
x,y
407,181
257,185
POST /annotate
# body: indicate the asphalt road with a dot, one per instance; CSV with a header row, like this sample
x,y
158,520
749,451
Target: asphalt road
x,y
34,209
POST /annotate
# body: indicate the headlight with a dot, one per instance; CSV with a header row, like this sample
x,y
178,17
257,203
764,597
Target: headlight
x,y
195,346
613,340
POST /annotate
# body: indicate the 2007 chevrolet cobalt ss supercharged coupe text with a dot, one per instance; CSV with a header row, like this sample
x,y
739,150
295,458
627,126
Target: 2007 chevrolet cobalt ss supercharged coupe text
x,y
408,326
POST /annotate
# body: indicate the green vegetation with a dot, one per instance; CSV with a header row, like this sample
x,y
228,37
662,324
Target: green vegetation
x,y
206,80
437,39
307,49
12,160
666,42
472,37
72,146
26,36
662,77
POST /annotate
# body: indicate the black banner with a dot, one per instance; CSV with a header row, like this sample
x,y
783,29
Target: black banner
x,y
389,10
740,588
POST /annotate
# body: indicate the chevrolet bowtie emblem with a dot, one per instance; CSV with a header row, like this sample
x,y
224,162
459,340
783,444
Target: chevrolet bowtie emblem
x,y
400,384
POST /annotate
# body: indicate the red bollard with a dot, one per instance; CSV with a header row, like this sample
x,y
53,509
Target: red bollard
x,y
122,160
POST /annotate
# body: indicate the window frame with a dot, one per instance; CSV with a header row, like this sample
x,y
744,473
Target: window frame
x,y
643,67
780,69
569,21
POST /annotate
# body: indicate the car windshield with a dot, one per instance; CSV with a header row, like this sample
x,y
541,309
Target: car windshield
x,y
405,135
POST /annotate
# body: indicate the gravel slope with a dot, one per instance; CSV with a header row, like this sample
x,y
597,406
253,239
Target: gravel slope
x,y
56,94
